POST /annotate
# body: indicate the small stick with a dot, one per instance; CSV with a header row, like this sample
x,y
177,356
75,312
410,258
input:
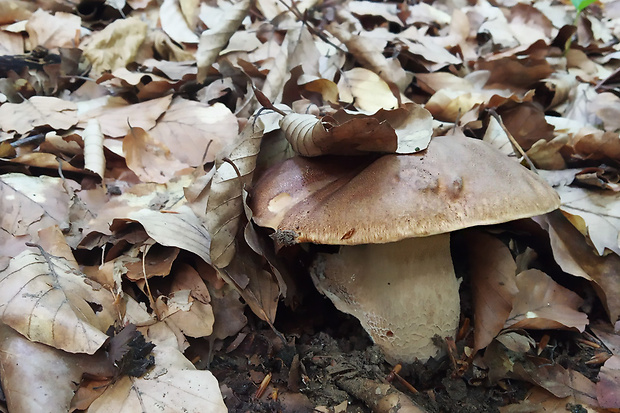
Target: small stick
x,y
394,375
514,142
263,386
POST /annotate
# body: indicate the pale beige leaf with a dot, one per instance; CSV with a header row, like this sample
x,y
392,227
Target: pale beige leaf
x,y
172,386
492,270
366,90
150,160
599,213
38,111
94,159
225,204
51,31
174,23
213,40
180,228
116,116
188,128
116,45
36,377
541,303
28,205
46,299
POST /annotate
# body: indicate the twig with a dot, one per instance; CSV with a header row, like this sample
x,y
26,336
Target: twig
x,y
514,142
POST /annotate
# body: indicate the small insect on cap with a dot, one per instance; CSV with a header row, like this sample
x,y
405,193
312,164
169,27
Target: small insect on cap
x,y
456,183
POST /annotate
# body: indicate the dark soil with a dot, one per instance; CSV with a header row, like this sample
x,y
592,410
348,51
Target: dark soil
x,y
305,372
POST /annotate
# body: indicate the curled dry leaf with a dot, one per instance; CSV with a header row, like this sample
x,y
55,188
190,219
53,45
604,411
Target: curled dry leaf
x,y
541,303
47,299
94,160
213,40
407,129
225,204
38,111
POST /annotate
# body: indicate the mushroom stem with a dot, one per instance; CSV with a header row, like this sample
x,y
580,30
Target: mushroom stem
x,y
403,293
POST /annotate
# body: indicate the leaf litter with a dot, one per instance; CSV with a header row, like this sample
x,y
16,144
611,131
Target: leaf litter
x,y
131,133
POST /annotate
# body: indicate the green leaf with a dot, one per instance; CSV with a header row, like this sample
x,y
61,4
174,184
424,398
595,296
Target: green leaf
x,y
582,4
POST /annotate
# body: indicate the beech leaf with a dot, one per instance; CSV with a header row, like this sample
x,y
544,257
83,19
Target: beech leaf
x,y
47,299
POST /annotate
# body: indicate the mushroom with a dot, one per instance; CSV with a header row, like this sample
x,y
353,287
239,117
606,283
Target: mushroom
x,y
392,215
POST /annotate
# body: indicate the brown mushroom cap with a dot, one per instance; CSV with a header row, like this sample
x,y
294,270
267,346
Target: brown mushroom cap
x,y
456,183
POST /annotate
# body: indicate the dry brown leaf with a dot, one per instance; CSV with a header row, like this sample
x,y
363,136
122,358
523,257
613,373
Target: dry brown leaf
x,y
47,299
403,130
192,317
541,303
36,377
179,228
547,154
492,270
225,204
369,52
595,213
576,257
116,116
38,111
149,159
213,40
189,128
228,312
174,382
258,287
583,395
591,143
310,136
608,384
116,45
52,31
28,205
158,261
366,90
